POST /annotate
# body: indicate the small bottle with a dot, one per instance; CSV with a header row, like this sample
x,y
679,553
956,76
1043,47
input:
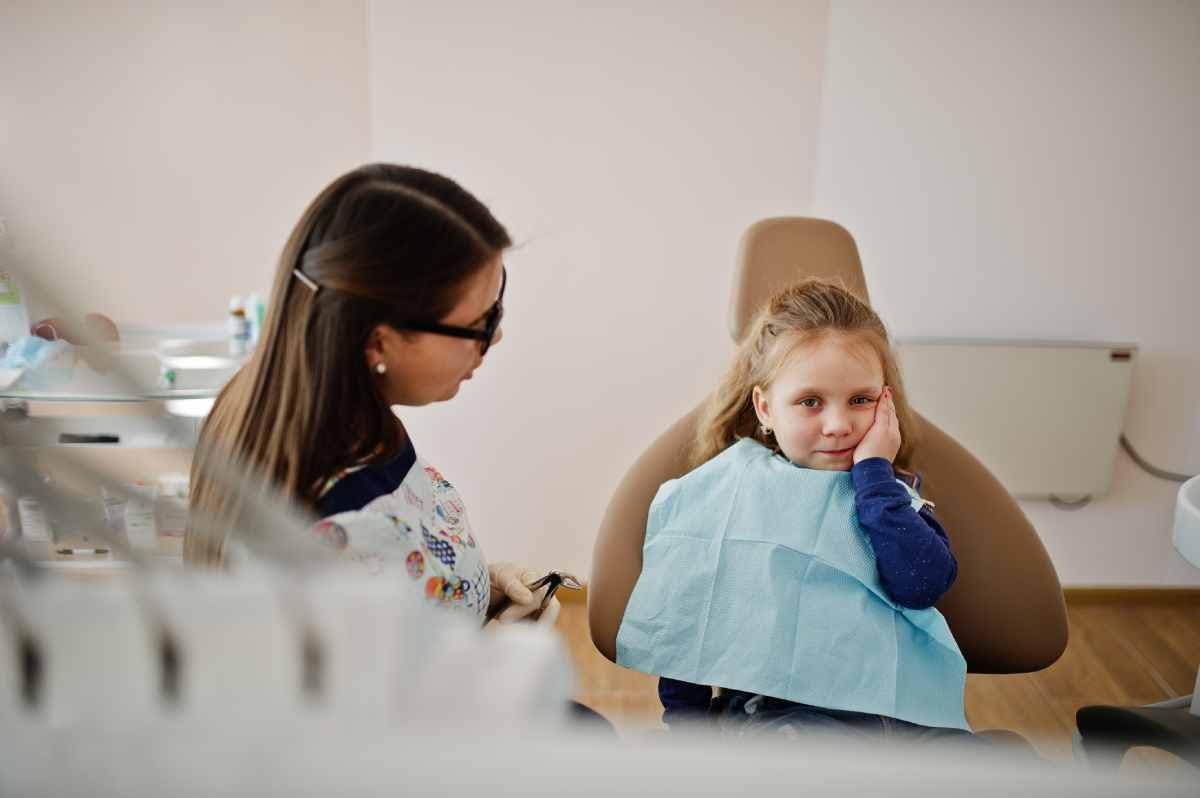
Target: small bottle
x,y
14,319
141,527
239,327
10,523
35,523
114,511
171,505
256,311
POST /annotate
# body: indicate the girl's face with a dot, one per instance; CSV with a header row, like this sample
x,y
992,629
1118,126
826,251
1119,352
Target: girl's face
x,y
822,402
426,367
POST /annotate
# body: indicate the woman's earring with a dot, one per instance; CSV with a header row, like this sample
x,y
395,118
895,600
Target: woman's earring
x,y
381,367
765,429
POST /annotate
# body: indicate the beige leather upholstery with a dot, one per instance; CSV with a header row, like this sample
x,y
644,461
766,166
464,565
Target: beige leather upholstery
x,y
1006,608
777,252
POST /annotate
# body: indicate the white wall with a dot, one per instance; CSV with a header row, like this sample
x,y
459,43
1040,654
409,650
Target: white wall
x,y
626,148
154,155
1031,171
1007,170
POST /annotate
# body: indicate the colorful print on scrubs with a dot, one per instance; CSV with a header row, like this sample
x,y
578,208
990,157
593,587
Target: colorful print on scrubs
x,y
404,520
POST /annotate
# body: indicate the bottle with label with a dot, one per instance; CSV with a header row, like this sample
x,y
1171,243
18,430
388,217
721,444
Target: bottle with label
x,y
114,512
141,528
256,311
14,319
171,505
238,327
10,523
34,520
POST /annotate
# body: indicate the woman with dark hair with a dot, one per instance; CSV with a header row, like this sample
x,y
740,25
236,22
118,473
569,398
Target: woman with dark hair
x,y
389,292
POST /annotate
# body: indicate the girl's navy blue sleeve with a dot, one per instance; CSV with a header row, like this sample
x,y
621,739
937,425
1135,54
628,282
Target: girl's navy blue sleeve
x,y
912,551
683,701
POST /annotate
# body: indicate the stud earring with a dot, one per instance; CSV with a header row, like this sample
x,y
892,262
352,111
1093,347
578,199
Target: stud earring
x,y
381,367
765,429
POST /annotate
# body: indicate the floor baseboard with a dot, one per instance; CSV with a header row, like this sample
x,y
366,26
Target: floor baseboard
x,y
1175,596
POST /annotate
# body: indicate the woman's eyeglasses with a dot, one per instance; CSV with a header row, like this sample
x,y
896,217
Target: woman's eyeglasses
x,y
485,335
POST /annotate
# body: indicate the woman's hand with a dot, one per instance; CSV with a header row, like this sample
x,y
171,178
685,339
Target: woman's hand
x,y
510,581
883,438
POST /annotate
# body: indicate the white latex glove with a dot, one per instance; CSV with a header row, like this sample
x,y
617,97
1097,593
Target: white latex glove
x,y
550,614
509,580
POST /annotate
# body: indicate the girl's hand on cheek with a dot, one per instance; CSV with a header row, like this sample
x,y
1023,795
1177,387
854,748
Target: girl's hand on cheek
x,y
883,438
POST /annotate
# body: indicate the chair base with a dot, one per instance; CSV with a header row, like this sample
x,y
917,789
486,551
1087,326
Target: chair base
x,y
1106,733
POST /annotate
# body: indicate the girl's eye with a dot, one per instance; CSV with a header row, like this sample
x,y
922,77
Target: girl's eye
x,y
809,401
862,400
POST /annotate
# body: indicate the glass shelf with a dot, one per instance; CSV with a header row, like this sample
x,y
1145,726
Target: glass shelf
x,y
148,366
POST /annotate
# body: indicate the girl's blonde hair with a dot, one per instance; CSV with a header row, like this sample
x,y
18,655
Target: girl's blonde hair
x,y
796,315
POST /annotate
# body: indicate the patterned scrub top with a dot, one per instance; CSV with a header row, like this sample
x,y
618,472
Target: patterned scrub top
x,y
403,520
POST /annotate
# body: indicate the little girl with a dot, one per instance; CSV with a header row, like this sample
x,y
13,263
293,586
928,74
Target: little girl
x,y
792,567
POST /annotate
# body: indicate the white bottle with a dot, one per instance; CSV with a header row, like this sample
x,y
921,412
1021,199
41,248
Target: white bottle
x,y
140,525
35,526
114,511
256,311
171,505
10,522
8,530
238,327
14,318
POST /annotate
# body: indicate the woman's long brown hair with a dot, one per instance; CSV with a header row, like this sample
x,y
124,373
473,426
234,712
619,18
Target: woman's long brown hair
x,y
385,244
794,315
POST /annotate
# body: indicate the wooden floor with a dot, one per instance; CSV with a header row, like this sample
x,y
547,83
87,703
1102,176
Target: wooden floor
x,y
1122,652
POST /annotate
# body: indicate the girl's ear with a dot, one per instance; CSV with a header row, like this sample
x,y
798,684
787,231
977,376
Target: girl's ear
x,y
758,398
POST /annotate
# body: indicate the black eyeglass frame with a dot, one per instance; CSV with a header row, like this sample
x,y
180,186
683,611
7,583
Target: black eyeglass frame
x,y
485,336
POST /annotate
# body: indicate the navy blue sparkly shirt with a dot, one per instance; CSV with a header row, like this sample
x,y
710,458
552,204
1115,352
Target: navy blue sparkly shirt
x,y
912,552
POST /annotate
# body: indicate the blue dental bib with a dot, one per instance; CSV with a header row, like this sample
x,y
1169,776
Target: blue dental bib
x,y
756,576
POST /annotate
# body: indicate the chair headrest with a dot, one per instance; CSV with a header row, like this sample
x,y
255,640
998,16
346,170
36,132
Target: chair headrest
x,y
778,251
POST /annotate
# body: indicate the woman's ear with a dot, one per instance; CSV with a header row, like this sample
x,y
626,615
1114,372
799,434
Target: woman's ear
x,y
758,397
386,344
374,347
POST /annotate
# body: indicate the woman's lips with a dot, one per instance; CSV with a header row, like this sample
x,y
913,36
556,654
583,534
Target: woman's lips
x,y
837,452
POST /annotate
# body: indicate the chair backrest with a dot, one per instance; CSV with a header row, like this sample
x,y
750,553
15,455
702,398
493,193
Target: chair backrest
x,y
1006,608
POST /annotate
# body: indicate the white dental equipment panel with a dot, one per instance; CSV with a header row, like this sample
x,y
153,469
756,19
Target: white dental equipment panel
x,y
1045,417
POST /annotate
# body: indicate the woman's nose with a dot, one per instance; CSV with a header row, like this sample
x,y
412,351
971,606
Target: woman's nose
x,y
497,337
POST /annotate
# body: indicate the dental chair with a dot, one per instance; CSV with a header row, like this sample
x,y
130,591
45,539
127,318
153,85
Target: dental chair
x,y
1105,733
1006,608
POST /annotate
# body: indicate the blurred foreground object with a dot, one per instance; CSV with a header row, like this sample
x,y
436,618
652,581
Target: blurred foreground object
x,y
264,648
94,328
